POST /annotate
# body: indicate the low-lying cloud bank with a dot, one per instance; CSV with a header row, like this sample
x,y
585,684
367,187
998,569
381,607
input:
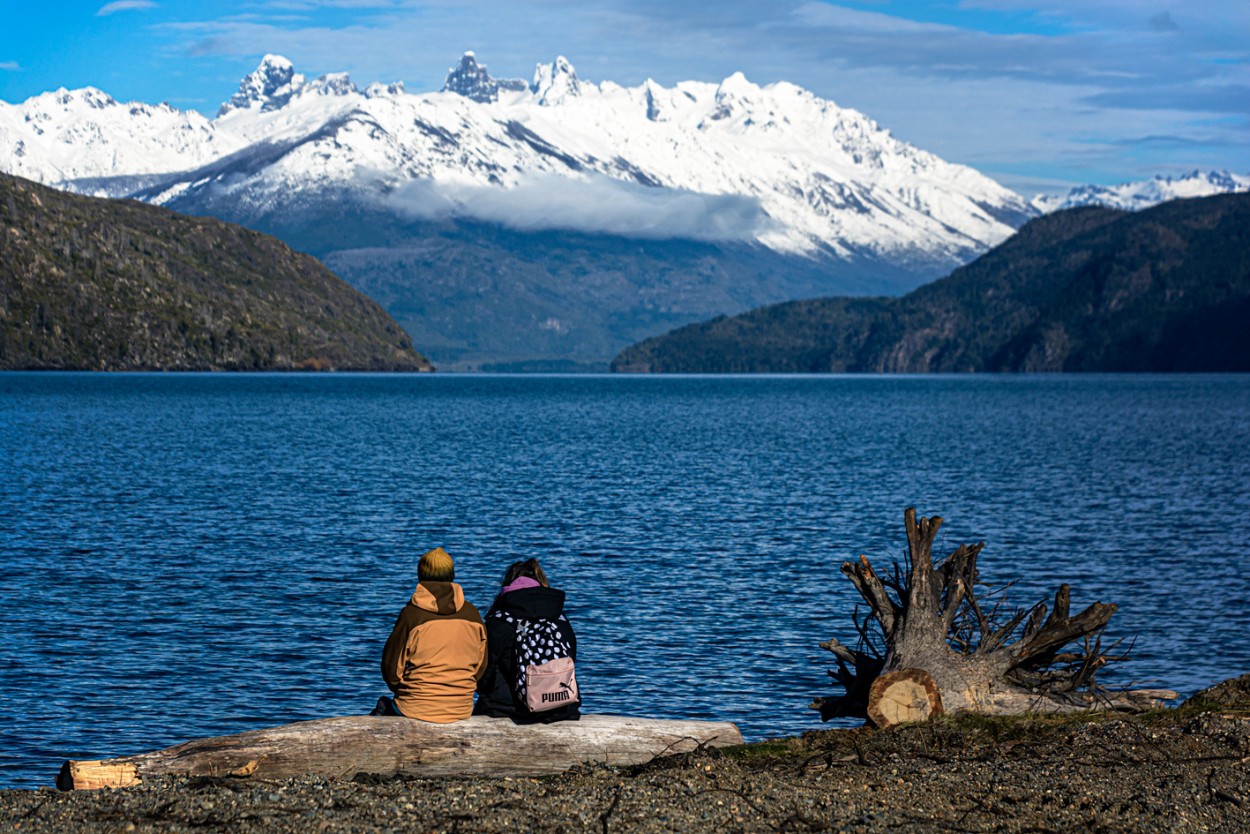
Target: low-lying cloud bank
x,y
596,204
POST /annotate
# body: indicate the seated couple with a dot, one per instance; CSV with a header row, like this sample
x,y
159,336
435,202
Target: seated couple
x,y
519,661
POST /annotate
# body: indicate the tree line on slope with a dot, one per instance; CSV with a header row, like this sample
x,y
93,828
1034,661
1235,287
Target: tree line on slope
x,y
99,284
1088,289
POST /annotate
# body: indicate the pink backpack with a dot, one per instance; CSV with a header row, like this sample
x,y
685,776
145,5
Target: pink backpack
x,y
550,685
546,677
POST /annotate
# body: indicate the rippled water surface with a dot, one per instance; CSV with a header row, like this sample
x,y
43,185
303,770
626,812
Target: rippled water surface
x,y
187,556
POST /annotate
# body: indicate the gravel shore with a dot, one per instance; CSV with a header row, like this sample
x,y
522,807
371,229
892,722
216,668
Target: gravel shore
x,y
1185,770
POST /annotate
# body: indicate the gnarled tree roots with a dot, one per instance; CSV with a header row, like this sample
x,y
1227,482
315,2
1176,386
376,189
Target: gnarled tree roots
x,y
938,648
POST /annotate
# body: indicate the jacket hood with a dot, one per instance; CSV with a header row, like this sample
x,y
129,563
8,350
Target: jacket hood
x,y
532,603
439,597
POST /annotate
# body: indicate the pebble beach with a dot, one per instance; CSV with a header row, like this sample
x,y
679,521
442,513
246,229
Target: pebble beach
x,y
1181,770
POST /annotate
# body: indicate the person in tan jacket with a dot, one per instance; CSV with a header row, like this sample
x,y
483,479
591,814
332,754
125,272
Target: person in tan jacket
x,y
437,651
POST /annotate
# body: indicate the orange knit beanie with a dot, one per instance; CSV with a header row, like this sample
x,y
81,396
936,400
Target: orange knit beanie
x,y
436,566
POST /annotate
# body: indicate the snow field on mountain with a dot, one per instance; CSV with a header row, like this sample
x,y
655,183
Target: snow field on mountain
x,y
66,135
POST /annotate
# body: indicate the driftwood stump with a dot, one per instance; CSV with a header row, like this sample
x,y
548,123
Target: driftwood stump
x,y
938,648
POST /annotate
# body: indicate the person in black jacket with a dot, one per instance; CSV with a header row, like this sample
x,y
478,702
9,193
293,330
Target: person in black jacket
x,y
525,596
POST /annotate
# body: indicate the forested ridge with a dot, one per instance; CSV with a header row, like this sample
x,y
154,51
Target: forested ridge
x,y
1088,289
94,284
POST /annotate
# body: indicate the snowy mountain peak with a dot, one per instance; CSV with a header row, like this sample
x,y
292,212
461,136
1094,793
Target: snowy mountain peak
x,y
733,97
268,87
1134,196
379,90
471,80
736,84
90,96
63,99
1224,180
330,84
555,82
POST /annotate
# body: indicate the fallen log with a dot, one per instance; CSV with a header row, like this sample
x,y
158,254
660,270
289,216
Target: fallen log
x,y
940,645
337,747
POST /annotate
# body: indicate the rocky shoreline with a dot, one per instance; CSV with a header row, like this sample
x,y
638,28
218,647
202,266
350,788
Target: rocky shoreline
x,y
1182,770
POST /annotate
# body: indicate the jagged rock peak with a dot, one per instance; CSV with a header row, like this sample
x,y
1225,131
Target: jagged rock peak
x,y
471,80
555,81
268,87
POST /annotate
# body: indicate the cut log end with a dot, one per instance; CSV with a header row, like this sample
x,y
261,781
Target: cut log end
x,y
93,775
903,696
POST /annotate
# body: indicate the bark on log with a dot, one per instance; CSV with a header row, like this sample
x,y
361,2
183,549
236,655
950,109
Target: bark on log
x,y
478,746
944,651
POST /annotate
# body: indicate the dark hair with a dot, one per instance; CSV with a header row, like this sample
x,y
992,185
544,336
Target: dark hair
x,y
530,568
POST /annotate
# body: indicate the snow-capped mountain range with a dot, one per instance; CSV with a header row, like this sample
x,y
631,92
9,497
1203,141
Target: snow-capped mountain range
x,y
773,165
811,176
515,224
1134,196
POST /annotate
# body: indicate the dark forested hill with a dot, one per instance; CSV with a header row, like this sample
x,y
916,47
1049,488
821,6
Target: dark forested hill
x,y
116,285
1089,289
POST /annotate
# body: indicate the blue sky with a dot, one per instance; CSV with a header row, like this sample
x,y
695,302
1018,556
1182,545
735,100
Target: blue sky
x,y
1040,95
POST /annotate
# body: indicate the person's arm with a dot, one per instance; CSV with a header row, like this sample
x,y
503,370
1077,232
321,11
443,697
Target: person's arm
x,y
394,654
566,629
495,637
483,650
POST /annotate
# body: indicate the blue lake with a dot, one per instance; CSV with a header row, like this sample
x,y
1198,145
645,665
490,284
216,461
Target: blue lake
x,y
195,555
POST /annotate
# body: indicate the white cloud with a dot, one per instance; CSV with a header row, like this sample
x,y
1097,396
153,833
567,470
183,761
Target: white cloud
x,y
596,204
124,6
9,66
